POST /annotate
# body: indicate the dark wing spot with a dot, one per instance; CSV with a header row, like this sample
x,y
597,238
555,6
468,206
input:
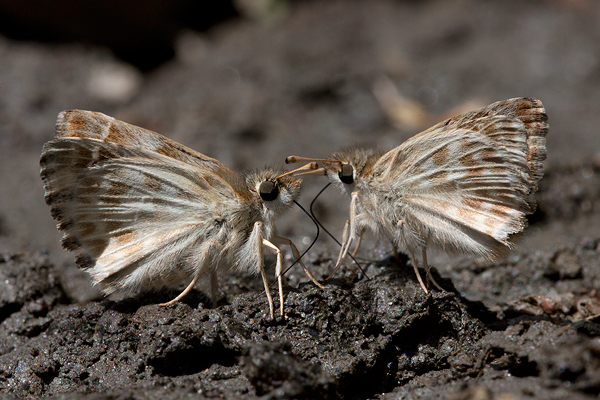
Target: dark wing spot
x,y
84,261
468,160
113,226
87,228
118,189
77,125
440,157
97,246
473,203
114,134
70,243
152,183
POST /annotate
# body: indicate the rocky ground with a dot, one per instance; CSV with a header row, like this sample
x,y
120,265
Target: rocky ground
x,y
304,80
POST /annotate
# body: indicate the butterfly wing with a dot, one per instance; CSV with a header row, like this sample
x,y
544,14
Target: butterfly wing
x,y
95,125
136,218
465,183
527,110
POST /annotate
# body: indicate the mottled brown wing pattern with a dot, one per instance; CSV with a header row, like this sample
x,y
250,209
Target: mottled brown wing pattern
x,y
129,213
142,211
529,111
449,184
95,125
471,171
463,185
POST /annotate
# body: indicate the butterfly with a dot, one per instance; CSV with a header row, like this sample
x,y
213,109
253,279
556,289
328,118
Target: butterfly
x,y
464,186
142,211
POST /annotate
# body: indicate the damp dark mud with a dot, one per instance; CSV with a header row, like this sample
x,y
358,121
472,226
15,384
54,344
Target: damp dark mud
x,y
252,90
527,326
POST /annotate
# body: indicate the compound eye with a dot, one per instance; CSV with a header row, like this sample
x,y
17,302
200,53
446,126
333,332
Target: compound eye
x,y
346,174
268,190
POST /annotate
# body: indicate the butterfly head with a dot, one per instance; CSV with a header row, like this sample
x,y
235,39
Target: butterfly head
x,y
345,169
276,190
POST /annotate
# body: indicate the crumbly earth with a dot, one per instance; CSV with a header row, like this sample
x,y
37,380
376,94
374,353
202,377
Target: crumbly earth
x,y
526,327
301,81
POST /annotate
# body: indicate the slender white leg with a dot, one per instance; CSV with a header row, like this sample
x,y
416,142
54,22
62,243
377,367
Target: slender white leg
x,y
358,242
184,293
278,270
267,291
256,237
349,234
413,260
296,255
400,224
345,240
353,233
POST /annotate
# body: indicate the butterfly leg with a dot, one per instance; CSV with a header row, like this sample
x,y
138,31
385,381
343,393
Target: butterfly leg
x,y
402,226
413,260
267,290
353,230
259,243
428,269
358,242
296,254
278,273
348,235
341,255
185,291
345,239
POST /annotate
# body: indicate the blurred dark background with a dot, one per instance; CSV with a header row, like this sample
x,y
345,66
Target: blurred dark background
x,y
142,33
253,81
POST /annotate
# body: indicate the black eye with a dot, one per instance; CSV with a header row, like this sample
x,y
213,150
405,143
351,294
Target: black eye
x,y
268,191
346,174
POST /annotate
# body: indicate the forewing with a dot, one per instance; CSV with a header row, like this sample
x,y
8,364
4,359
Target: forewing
x,y
95,125
464,185
134,217
527,110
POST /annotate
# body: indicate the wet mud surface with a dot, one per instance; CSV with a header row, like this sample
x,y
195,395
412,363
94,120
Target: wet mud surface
x,y
250,92
525,327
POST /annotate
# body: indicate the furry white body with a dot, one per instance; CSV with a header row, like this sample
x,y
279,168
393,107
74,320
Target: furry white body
x,y
464,185
142,211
